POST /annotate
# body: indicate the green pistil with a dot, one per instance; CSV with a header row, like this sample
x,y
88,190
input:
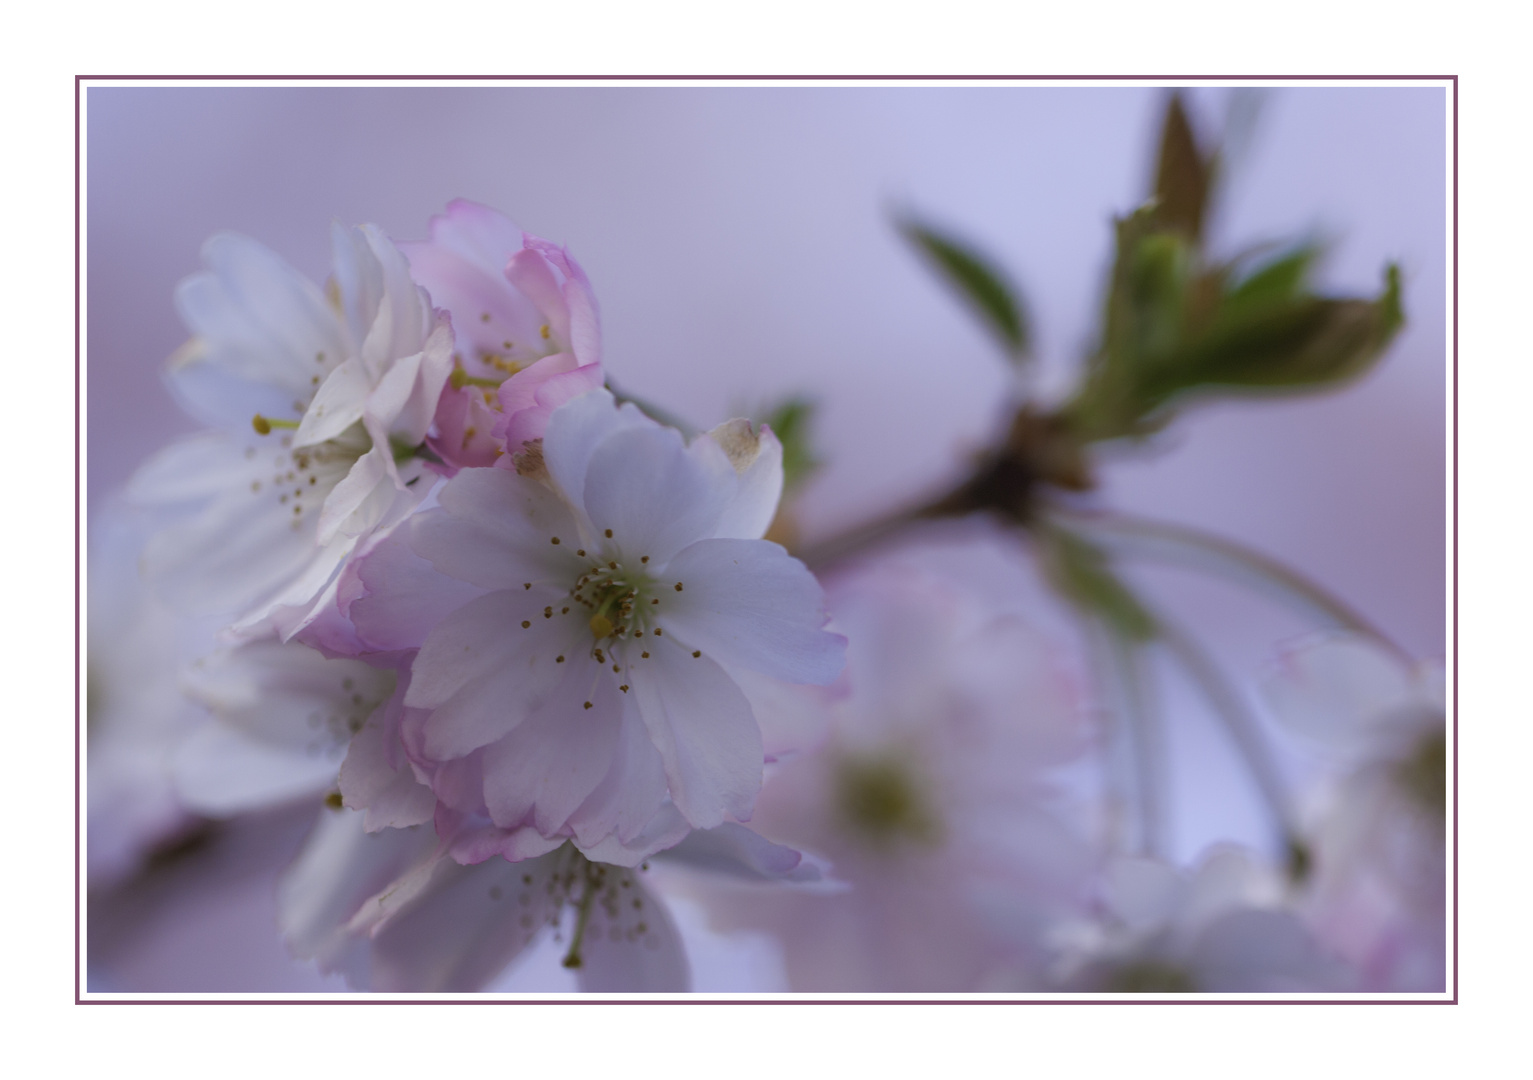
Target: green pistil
x,y
573,959
460,378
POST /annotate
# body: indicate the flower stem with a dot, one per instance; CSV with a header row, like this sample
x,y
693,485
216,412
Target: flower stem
x,y
1143,737
572,958
820,556
1238,722
1180,545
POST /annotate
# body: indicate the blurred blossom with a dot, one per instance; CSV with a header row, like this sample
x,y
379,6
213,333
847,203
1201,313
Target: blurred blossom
x,y
1379,888
280,719
136,713
931,790
1220,928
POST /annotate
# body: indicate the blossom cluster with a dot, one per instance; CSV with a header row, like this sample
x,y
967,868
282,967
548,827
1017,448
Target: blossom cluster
x,y
523,647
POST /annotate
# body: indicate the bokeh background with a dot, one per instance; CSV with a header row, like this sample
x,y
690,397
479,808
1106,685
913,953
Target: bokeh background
x,y
739,240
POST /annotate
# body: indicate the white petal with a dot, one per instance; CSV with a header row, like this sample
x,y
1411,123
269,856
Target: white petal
x,y
404,594
301,600
757,460
260,320
376,776
482,673
748,603
633,947
336,406
653,495
575,430
735,851
192,470
220,771
666,829
628,798
496,530
363,498
551,762
404,401
227,544
1336,687
339,869
704,730
463,927
404,315
288,694
359,279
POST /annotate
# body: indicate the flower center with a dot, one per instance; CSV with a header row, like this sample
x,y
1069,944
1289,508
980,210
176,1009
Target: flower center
x,y
301,479
618,600
880,801
1150,977
499,360
1424,774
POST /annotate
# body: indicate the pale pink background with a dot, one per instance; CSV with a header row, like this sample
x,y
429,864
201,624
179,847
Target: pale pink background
x,y
740,246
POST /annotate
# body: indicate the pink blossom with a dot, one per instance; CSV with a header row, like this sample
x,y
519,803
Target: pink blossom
x,y
524,321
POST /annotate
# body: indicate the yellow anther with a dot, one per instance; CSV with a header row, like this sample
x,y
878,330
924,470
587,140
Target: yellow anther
x,y
544,331
264,424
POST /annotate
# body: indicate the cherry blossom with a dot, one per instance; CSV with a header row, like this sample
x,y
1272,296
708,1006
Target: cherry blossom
x,y
526,332
280,720
319,401
576,684
136,713
392,912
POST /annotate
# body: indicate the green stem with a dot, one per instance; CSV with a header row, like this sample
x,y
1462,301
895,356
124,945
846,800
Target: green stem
x,y
1148,743
572,958
1180,545
1242,727
825,553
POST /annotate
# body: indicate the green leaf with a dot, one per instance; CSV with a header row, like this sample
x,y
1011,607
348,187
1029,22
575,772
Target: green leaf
x,y
978,281
1300,343
791,422
1174,331
1183,176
